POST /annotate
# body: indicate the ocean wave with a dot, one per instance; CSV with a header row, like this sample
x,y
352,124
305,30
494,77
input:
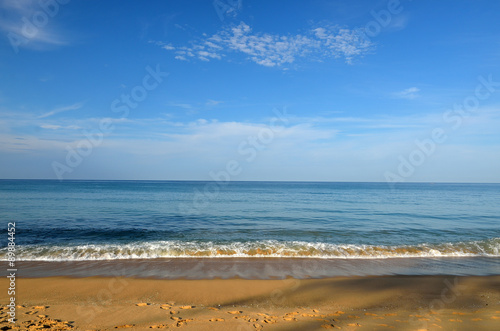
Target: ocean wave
x,y
256,249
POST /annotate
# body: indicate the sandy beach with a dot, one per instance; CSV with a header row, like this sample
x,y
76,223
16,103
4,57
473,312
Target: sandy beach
x,y
347,303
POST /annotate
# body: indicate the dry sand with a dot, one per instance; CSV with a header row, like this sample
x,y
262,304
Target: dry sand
x,y
350,303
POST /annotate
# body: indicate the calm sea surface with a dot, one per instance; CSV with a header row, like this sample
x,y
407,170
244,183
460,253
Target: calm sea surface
x,y
131,220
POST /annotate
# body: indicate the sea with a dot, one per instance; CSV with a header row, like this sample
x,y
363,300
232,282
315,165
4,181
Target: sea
x,y
262,230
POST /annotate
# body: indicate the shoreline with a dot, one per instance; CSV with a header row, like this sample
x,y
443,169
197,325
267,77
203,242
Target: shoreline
x,y
348,303
260,268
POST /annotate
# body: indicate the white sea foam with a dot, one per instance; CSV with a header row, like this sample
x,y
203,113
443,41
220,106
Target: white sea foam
x,y
259,249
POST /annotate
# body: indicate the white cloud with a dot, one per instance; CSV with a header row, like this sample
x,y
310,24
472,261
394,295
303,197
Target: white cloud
x,y
327,148
186,106
57,127
399,22
21,30
409,93
273,50
211,103
74,106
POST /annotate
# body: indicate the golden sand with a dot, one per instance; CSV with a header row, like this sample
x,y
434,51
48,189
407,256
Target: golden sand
x,y
348,303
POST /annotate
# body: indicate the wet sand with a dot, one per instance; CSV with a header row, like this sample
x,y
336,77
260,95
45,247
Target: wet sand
x,y
347,303
260,268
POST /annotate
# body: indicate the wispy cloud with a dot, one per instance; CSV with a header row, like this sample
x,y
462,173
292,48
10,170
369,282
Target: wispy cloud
x,y
409,93
181,105
62,109
16,23
345,144
399,22
58,127
211,103
273,50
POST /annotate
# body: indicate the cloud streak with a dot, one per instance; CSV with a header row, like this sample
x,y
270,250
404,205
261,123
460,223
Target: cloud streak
x,y
274,50
57,127
409,93
335,147
62,109
28,24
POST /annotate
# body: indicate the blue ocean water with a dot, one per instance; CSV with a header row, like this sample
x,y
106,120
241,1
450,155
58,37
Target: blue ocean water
x,y
107,220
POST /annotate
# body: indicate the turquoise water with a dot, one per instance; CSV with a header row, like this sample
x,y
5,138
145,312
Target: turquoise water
x,y
109,220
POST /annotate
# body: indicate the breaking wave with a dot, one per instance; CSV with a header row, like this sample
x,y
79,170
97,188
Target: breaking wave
x,y
255,249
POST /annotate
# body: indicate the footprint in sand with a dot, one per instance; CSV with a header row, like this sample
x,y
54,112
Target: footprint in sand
x,y
40,307
159,326
216,320
333,314
495,318
175,318
213,308
47,323
173,312
235,312
370,314
289,318
124,326
186,307
142,304
292,313
391,314
352,316
353,324
328,326
183,322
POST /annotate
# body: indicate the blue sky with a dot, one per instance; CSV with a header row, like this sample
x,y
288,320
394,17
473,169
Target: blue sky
x,y
250,90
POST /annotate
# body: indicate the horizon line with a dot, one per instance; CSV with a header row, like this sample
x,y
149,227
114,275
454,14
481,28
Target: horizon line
x,y
242,181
